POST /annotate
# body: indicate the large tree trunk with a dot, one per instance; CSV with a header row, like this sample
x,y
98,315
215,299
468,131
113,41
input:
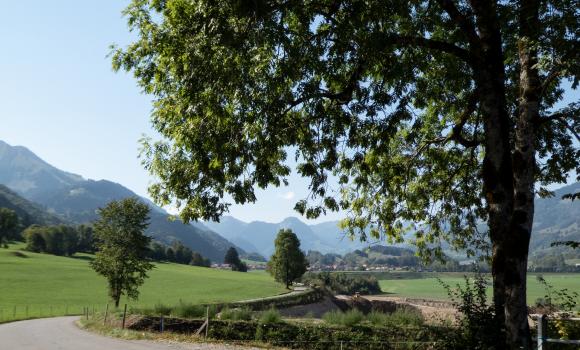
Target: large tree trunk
x,y
508,187
524,165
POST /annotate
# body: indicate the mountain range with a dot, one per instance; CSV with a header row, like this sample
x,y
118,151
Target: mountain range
x,y
258,236
555,219
52,196
67,197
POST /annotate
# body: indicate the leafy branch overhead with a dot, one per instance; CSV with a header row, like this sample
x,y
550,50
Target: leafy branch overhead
x,y
416,116
384,100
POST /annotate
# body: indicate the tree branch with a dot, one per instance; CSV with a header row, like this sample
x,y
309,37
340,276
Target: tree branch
x,y
569,112
555,73
461,20
457,132
342,97
414,41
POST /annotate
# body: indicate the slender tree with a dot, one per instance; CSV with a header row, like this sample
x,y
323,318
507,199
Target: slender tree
x,y
436,113
232,257
288,262
122,248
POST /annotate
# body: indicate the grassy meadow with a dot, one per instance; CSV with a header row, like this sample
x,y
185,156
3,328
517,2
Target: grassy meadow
x,y
426,285
38,285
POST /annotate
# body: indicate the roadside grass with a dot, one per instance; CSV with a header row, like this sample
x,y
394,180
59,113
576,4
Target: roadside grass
x,y
95,324
426,285
40,285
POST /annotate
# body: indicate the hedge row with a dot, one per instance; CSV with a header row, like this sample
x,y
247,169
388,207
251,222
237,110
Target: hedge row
x,y
310,336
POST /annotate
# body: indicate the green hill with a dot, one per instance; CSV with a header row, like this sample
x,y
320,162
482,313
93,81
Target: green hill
x,y
49,285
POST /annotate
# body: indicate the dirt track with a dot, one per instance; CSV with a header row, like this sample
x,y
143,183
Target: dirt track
x,y
61,333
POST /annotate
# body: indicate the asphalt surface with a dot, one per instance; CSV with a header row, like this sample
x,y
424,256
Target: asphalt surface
x,y
61,333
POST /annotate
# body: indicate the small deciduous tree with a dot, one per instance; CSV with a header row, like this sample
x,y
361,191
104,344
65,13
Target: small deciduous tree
x,y
232,257
288,262
8,223
122,248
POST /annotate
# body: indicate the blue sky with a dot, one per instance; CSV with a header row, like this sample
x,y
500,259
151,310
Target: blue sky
x,y
60,98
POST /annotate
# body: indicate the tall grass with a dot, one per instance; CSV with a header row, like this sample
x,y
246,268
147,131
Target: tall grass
x,y
349,318
243,314
401,317
182,310
270,316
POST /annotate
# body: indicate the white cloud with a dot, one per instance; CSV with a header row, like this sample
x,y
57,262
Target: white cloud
x,y
288,195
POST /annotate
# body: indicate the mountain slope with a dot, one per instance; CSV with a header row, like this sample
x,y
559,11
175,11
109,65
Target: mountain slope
x,y
556,219
29,213
77,200
24,172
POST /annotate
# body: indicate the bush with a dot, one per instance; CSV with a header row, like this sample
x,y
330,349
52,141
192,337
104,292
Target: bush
x,y
188,310
270,316
478,326
162,310
243,314
349,318
341,283
401,317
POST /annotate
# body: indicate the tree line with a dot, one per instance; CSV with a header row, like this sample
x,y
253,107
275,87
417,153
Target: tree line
x,y
177,253
59,239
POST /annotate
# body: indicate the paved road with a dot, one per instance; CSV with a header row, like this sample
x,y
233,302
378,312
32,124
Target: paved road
x,y
61,333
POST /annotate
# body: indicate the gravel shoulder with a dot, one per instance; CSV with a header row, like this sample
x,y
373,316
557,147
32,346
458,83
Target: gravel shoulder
x,y
62,333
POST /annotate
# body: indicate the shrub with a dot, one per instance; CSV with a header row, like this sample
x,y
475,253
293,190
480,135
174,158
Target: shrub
x,y
341,283
349,318
270,316
243,314
401,317
478,324
161,309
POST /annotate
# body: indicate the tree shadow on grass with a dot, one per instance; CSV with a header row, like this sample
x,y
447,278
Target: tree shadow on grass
x,y
83,257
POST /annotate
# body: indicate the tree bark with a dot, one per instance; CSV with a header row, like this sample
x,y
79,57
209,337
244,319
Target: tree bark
x,y
524,164
509,178
508,183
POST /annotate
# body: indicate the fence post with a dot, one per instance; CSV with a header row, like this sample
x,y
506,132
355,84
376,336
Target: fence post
x,y
124,316
542,329
206,320
106,314
162,325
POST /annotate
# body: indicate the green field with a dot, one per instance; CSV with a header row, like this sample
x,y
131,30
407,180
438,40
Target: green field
x,y
426,285
45,285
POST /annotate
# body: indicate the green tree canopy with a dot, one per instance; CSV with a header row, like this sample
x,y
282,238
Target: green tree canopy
x,y
288,263
56,239
8,224
432,115
122,248
232,257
